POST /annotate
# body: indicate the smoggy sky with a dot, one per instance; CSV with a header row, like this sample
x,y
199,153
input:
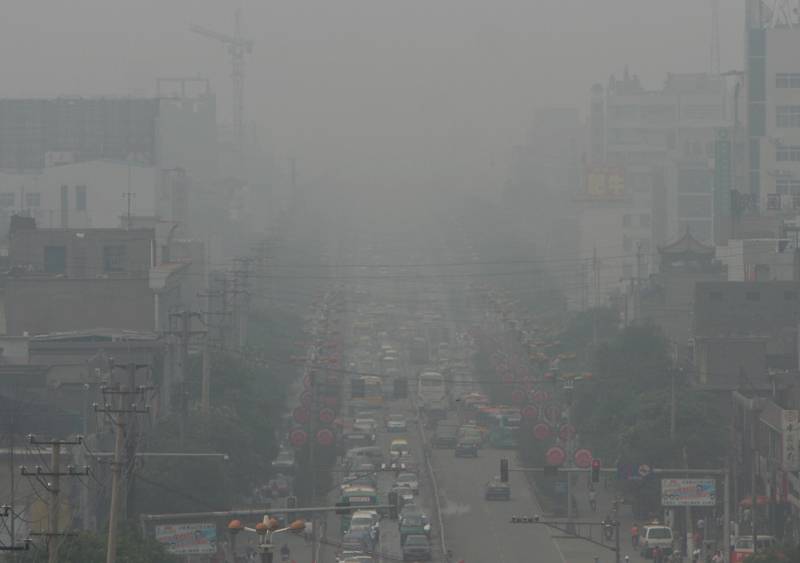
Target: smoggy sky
x,y
371,93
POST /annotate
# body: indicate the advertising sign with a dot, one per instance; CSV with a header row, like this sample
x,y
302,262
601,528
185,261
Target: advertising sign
x,y
688,492
605,182
790,421
188,539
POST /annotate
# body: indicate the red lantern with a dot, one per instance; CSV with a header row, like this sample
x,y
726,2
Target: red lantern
x,y
541,431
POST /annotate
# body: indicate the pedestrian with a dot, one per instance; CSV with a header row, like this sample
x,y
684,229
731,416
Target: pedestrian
x,y
717,557
657,555
593,500
635,535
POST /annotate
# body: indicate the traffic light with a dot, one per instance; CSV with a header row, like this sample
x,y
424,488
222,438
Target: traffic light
x,y
344,504
394,505
595,470
504,470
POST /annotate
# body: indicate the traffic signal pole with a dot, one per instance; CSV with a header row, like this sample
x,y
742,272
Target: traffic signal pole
x,y
724,473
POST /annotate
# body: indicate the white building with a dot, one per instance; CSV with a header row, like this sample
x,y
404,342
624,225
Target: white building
x,y
650,169
773,104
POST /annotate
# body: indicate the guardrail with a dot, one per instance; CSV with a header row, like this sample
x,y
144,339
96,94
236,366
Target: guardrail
x,y
432,478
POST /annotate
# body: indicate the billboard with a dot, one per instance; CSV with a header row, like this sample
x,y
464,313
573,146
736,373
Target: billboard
x,y
188,539
605,182
688,492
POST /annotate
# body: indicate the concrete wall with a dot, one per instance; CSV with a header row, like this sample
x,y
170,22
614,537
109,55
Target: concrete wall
x,y
44,305
757,260
106,185
84,249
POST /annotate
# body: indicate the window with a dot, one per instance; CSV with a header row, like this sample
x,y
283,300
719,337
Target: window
x,y
753,296
80,198
788,154
787,186
7,199
787,116
787,80
114,258
644,221
627,244
33,199
55,259
626,220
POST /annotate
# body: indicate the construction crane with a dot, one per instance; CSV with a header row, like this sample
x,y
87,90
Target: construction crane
x,y
238,47
715,42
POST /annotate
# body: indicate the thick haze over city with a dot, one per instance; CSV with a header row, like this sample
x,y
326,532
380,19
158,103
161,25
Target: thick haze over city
x,y
376,94
369,281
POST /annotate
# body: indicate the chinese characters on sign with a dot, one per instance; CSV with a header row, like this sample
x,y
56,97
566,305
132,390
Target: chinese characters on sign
x,y
791,440
188,539
688,492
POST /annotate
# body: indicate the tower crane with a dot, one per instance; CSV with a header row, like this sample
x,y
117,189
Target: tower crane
x,y
238,46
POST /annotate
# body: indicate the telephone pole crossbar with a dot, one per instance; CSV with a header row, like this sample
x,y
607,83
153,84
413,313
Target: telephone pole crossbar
x,y
53,487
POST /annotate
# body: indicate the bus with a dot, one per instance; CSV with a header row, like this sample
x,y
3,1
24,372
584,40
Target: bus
x,y
366,392
500,425
359,495
432,393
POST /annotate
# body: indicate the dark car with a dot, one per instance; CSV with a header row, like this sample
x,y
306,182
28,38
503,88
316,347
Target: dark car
x,y
497,490
414,525
445,437
416,547
467,449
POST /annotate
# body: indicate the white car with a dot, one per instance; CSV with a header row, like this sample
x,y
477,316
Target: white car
x,y
365,425
396,423
409,480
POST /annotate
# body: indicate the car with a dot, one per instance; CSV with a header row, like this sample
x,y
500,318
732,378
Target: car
x,y
399,448
358,559
497,490
416,547
655,535
466,449
405,493
445,437
409,480
365,425
396,423
366,520
284,461
414,524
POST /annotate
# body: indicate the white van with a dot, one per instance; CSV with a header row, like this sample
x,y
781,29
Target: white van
x,y
655,535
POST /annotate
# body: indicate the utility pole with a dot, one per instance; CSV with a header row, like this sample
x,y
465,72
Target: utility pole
x,y
241,275
312,378
185,333
53,486
122,416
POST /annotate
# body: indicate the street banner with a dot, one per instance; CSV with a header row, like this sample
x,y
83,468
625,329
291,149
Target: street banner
x,y
188,539
791,440
688,492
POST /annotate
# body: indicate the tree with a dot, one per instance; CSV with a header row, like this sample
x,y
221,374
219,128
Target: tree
x,y
88,547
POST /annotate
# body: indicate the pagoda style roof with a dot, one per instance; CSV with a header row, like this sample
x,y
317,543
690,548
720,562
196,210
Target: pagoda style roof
x,y
687,244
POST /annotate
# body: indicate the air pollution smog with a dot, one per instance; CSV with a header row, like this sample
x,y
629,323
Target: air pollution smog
x,y
363,282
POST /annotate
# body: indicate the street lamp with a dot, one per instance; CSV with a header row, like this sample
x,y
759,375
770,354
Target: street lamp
x,y
265,529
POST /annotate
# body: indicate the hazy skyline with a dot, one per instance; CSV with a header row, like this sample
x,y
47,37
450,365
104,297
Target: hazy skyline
x,y
371,93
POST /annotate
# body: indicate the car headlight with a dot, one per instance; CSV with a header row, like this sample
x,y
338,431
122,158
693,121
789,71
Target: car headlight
x,y
427,527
